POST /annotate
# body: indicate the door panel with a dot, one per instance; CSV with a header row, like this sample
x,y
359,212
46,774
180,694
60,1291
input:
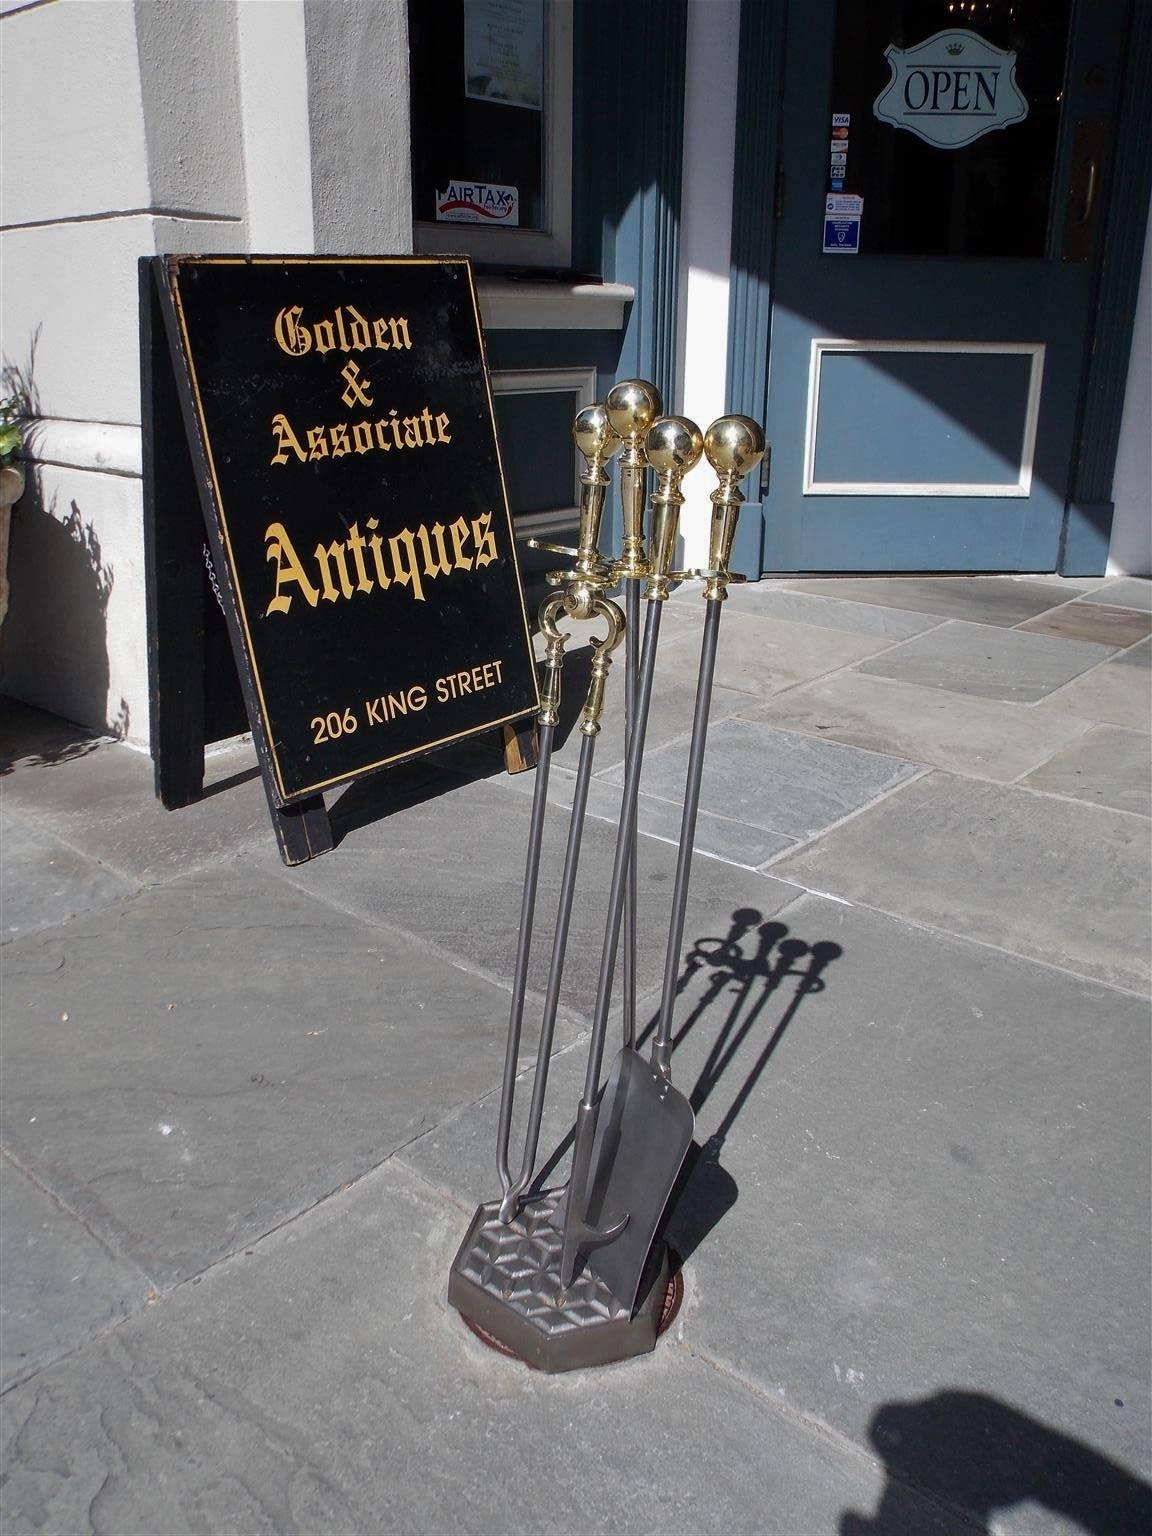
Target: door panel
x,y
924,391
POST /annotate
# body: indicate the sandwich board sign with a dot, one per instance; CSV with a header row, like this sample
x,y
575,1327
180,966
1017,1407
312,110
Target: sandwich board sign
x,y
339,420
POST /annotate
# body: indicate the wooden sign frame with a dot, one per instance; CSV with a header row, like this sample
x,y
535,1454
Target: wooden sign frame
x,y
194,588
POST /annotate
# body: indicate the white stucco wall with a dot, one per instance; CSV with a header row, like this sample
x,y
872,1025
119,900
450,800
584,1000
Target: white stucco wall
x,y
133,128
121,139
277,152
60,157
1130,552
359,111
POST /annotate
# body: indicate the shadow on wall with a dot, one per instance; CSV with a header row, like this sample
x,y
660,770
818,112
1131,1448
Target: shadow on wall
x,y
54,642
56,631
977,1454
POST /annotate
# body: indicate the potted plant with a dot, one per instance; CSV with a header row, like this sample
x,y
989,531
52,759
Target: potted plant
x,y
11,481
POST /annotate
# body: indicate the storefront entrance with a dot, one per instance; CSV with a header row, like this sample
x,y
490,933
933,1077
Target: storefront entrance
x,y
944,170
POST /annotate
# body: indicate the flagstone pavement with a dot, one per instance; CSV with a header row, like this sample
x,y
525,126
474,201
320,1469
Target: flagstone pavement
x,y
247,1110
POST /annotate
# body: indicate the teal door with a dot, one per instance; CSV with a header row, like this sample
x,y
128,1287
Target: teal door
x,y
942,179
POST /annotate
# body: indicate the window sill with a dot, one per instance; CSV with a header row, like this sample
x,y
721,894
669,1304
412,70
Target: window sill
x,y
512,305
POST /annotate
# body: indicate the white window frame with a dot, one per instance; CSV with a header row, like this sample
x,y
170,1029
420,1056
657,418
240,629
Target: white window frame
x,y
549,381
552,246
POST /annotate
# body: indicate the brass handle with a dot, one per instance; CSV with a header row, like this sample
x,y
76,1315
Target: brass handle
x,y
632,407
672,448
734,446
601,661
1089,207
554,608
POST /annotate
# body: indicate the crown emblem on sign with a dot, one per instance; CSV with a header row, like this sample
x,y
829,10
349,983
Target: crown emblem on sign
x,y
954,48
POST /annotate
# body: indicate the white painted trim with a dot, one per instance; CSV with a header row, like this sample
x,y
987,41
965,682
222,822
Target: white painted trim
x,y
550,247
513,306
108,448
711,72
546,381
1130,549
542,381
1021,487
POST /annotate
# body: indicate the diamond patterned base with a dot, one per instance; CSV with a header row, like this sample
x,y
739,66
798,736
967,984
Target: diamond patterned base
x,y
506,1280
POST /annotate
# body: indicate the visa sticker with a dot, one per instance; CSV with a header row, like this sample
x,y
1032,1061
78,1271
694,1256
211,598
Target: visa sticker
x,y
841,119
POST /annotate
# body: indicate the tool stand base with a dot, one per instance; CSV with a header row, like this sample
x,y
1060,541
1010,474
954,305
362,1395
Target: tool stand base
x,y
505,1281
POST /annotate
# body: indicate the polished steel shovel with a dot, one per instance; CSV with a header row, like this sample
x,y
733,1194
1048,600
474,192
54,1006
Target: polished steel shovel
x,y
630,1142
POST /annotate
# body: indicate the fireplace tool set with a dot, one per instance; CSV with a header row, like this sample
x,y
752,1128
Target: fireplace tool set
x,y
576,1277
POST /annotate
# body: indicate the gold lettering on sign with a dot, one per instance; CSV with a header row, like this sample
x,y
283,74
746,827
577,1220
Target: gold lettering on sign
x,y
346,330
324,553
388,433
407,559
288,568
286,438
357,391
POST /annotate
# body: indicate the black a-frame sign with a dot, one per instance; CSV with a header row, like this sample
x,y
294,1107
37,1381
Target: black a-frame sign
x,y
325,505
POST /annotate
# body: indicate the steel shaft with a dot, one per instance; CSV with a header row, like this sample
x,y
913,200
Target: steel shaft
x,y
662,1044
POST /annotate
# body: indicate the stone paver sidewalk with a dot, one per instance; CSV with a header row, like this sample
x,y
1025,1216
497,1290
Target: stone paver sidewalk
x,y
247,1110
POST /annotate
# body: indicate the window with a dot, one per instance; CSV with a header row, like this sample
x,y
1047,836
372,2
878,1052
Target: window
x,y
534,412
492,129
945,122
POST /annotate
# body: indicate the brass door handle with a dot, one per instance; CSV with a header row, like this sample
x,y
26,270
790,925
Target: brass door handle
x,y
1089,207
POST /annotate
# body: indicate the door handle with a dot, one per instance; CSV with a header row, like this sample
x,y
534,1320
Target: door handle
x,y
1084,188
1089,206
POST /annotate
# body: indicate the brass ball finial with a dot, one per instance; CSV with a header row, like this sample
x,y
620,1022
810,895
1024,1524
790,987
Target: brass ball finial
x,y
673,445
594,436
633,405
734,445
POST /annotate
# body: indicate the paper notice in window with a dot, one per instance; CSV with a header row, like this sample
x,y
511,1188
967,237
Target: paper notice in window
x,y
504,52
842,216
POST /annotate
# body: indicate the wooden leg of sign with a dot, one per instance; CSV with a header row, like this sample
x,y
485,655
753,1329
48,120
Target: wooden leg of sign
x,y
521,749
303,831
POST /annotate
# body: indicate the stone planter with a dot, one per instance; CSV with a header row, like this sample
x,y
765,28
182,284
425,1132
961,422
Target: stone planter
x,y
11,490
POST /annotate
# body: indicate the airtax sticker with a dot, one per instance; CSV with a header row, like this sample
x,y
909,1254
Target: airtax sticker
x,y
478,202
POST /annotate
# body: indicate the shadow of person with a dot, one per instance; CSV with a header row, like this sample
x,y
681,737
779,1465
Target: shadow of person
x,y
980,1456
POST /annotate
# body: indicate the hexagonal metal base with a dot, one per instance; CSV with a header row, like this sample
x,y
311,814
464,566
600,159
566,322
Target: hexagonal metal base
x,y
506,1280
